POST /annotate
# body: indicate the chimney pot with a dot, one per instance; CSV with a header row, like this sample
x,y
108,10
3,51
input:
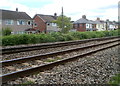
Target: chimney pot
x,y
98,18
55,15
107,20
84,16
17,9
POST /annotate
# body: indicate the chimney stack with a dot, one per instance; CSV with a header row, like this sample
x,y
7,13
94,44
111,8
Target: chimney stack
x,y
98,18
16,9
55,15
107,19
84,16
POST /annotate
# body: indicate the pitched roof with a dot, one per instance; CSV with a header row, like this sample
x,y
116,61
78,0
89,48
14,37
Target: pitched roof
x,y
93,22
98,22
102,21
7,14
47,18
83,20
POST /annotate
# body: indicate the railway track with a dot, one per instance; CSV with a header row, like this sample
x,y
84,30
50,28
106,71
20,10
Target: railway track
x,y
18,49
64,56
53,48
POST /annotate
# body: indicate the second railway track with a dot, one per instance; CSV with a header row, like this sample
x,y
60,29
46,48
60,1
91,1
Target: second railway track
x,y
36,63
11,50
42,49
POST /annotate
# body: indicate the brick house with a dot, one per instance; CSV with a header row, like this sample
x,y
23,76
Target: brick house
x,y
83,24
18,22
44,23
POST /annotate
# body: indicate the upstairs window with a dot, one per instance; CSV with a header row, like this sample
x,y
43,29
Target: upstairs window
x,y
20,22
29,23
35,24
54,24
48,24
9,22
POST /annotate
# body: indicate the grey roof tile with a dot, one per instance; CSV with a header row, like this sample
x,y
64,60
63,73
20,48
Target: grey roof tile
x,y
82,20
7,14
47,18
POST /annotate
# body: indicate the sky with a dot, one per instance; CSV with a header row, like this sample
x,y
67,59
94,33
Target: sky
x,y
104,9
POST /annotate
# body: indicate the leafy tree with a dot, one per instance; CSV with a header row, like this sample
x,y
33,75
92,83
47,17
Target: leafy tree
x,y
6,31
64,23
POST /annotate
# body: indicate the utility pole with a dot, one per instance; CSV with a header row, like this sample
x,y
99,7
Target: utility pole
x,y
62,21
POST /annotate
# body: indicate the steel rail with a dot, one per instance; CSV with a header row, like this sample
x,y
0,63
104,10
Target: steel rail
x,y
49,45
32,70
40,56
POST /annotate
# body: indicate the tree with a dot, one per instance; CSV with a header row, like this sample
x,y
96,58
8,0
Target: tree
x,y
6,31
64,23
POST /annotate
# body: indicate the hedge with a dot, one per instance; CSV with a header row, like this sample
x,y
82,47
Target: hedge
x,y
115,80
54,37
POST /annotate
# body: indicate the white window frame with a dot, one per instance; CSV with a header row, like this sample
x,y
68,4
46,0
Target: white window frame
x,y
9,22
21,22
54,24
35,24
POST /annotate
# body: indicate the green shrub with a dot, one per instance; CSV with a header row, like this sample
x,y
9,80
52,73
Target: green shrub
x,y
8,40
91,34
68,37
54,37
45,38
6,31
115,80
58,36
76,35
99,34
33,39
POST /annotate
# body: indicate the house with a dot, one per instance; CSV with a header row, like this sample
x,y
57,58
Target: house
x,y
100,25
115,24
17,21
83,24
44,23
111,25
106,25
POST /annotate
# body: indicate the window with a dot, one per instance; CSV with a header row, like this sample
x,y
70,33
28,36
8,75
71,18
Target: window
x,y
48,24
20,22
29,22
87,25
54,24
9,22
35,24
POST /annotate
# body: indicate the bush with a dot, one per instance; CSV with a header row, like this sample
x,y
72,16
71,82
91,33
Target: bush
x,y
58,36
115,80
9,40
45,38
54,37
6,31
68,37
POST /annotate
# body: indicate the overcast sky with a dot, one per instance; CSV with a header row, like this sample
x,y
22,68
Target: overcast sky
x,y
105,9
